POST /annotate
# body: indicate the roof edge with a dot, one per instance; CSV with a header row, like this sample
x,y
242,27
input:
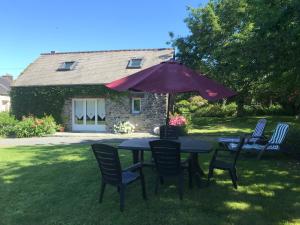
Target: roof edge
x,y
122,50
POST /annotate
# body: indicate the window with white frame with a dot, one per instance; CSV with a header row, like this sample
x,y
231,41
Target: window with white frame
x,y
136,105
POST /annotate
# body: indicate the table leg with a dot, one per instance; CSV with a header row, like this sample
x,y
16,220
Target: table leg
x,y
197,171
135,156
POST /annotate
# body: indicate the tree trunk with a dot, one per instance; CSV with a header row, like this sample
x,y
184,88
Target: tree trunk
x,y
240,107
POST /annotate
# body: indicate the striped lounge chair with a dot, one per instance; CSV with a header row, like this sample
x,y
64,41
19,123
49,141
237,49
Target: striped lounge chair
x,y
273,145
258,134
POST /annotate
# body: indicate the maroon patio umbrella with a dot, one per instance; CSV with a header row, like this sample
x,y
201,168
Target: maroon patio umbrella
x,y
172,77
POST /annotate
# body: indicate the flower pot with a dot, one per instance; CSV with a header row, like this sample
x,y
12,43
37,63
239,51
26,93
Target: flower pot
x,y
181,130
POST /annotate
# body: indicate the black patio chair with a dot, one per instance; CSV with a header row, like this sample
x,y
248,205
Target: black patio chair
x,y
110,167
168,132
226,163
168,164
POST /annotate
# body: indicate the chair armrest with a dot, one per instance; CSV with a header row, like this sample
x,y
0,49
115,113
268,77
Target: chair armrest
x,y
262,142
260,139
133,167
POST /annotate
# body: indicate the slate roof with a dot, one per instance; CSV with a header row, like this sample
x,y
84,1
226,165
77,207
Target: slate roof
x,y
5,85
92,67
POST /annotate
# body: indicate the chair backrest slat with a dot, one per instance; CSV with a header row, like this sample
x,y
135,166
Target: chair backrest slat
x,y
166,156
168,132
109,163
279,134
260,127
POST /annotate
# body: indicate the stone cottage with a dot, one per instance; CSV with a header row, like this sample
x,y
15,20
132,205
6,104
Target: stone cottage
x,y
87,69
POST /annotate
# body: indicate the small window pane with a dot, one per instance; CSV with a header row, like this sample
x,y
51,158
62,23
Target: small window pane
x,y
135,63
68,65
136,105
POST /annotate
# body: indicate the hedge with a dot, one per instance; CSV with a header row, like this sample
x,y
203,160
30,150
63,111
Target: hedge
x,y
38,101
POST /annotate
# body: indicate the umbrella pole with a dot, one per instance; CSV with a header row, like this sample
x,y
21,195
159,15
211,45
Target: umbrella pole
x,y
168,109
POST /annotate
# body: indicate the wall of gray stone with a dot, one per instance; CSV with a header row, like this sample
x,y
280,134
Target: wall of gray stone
x,y
67,115
153,111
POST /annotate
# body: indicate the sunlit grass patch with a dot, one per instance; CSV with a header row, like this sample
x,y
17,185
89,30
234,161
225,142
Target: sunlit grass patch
x,y
9,178
237,205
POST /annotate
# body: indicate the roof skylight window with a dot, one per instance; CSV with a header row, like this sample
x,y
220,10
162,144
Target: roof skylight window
x,y
135,63
69,65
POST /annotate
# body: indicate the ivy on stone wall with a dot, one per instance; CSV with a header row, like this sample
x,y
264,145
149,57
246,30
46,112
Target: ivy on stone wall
x,y
49,100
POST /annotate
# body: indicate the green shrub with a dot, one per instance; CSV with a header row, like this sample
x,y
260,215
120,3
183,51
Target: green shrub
x,y
124,127
196,102
26,127
230,109
31,127
49,126
215,110
259,110
275,110
7,124
184,107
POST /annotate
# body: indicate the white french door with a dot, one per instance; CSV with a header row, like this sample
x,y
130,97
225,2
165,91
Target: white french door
x,y
88,114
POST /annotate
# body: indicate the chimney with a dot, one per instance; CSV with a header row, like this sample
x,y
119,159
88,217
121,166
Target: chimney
x,y
8,77
52,52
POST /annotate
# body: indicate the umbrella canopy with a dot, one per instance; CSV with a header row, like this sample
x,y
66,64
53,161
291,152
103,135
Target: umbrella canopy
x,y
172,77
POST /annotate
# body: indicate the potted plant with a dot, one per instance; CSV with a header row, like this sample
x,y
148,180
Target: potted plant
x,y
181,123
60,128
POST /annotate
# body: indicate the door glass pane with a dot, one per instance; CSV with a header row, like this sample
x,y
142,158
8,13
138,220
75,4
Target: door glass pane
x,y
78,111
90,112
100,111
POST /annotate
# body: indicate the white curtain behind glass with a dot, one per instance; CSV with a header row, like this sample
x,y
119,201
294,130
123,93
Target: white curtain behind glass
x,y
79,109
90,108
101,108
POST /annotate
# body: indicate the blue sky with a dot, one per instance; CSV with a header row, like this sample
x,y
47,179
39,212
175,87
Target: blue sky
x,y
28,28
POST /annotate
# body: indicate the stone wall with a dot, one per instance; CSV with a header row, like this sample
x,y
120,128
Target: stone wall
x,y
67,114
153,112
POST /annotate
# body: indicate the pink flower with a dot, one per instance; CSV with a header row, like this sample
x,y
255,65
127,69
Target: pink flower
x,y
177,121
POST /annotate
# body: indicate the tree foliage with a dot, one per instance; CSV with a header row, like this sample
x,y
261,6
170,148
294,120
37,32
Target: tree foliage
x,y
252,46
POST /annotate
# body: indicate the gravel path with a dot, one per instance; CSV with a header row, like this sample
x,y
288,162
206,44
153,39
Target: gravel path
x,y
66,138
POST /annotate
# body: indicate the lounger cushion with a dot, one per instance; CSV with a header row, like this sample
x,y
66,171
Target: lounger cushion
x,y
236,140
255,147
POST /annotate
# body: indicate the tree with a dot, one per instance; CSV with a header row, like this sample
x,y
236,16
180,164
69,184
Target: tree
x,y
246,43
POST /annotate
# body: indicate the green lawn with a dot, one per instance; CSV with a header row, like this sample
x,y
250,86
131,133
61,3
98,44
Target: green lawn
x,y
60,185
232,126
